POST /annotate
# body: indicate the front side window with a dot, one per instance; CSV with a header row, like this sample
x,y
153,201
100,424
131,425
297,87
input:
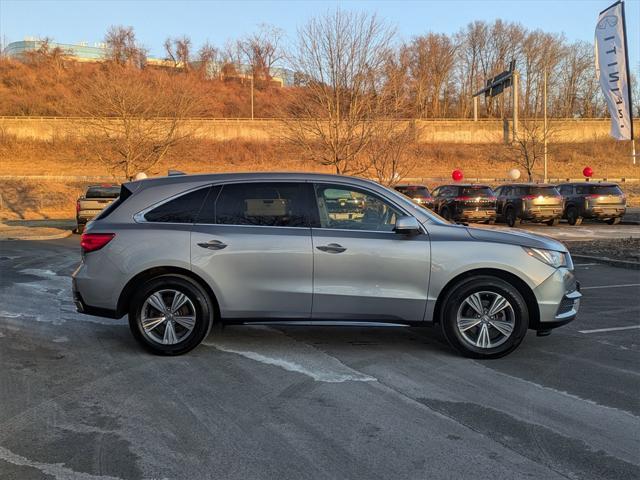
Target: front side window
x,y
182,209
268,204
353,209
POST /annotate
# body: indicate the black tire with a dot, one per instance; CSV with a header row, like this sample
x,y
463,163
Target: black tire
x,y
573,216
80,228
553,222
200,300
511,218
483,283
614,221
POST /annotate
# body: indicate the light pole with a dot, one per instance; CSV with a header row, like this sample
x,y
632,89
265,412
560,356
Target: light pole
x,y
544,99
252,94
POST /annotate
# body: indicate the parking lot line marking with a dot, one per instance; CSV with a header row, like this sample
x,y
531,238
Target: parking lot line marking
x,y
586,264
612,329
612,286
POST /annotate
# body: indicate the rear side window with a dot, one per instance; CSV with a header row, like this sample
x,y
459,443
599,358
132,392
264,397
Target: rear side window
x,y
103,191
182,209
273,204
476,192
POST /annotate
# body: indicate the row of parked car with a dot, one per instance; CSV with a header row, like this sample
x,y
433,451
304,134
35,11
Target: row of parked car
x,y
514,203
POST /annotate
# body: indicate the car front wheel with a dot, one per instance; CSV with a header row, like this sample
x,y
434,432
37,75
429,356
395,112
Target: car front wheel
x,y
484,317
170,315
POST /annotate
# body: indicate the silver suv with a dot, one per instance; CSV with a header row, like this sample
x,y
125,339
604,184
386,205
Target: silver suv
x,y
181,253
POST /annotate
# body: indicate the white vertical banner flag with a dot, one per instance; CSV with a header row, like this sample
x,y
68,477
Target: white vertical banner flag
x,y
612,69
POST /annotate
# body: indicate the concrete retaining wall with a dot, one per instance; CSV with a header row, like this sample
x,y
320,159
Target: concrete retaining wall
x,y
429,131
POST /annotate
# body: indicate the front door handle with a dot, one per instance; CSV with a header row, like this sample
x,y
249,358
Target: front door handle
x,y
331,248
213,245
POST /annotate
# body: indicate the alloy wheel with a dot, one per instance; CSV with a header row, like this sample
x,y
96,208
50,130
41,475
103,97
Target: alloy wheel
x,y
167,317
485,319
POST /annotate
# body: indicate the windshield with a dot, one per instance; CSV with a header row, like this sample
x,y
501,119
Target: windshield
x,y
103,191
477,191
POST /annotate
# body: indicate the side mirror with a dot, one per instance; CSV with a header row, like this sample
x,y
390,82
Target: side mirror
x,y
407,225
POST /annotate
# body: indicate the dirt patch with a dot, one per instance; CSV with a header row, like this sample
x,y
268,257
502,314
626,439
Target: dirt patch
x,y
627,249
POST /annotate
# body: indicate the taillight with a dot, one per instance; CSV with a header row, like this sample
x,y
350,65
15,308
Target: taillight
x,y
77,206
593,195
462,199
90,242
529,197
492,199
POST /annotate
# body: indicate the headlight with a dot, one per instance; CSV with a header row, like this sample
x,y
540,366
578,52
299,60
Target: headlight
x,y
550,257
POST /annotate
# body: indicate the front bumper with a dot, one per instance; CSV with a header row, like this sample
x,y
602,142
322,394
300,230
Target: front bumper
x,y
558,300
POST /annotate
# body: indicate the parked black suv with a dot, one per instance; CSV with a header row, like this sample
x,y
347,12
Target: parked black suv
x,y
418,193
528,201
602,201
465,202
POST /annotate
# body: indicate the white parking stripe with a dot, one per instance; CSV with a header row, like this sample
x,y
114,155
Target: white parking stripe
x,y
612,286
586,264
612,329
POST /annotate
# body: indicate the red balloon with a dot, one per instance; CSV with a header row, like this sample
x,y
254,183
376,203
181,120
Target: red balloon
x,y
457,175
587,172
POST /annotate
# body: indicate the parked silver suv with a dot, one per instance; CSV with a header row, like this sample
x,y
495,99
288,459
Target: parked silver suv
x,y
180,253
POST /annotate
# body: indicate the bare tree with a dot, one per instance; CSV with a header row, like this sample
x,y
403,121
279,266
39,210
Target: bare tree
x,y
339,57
208,60
134,119
123,48
178,51
529,144
391,151
431,58
261,51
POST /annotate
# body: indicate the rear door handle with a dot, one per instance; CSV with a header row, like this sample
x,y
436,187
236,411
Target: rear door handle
x,y
331,248
213,245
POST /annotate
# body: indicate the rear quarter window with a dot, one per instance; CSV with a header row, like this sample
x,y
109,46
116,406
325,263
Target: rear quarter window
x,y
182,209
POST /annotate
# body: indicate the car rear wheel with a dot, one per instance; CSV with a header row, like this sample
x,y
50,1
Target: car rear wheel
x,y
614,221
170,315
484,317
573,217
511,218
553,222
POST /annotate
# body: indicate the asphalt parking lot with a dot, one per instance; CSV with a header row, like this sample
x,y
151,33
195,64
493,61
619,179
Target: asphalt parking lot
x,y
79,399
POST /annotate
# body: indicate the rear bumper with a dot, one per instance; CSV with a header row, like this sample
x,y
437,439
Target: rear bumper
x,y
605,212
477,215
541,214
82,307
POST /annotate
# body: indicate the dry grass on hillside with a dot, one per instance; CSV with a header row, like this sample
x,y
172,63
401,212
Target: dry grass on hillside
x,y
24,198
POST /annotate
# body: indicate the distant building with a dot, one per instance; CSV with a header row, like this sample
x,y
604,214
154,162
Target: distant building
x,y
97,52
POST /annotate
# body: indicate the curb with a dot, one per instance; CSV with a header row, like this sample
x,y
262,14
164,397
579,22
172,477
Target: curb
x,y
608,261
56,236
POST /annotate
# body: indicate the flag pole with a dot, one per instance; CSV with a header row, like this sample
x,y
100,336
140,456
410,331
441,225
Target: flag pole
x,y
626,61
